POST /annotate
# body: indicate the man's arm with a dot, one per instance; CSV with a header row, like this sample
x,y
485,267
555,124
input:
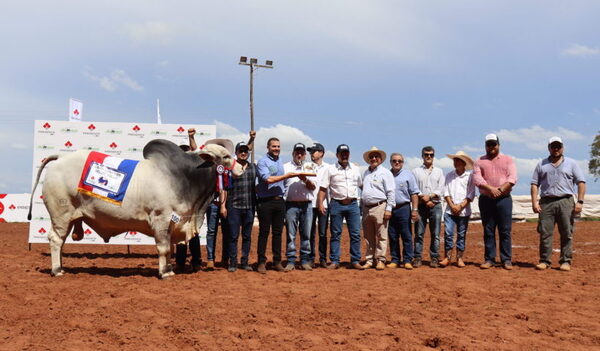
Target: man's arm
x,y
414,214
580,196
535,204
223,202
320,199
250,142
192,140
275,179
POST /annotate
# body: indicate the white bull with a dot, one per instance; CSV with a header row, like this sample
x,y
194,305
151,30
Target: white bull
x,y
169,181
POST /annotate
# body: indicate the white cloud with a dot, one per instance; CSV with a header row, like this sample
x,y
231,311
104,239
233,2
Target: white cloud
x,y
468,148
151,31
579,50
19,146
116,78
536,137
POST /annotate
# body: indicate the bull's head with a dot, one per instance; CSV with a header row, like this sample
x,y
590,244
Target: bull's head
x,y
219,155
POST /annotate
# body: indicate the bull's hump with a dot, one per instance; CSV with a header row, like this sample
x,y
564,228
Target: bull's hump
x,y
160,148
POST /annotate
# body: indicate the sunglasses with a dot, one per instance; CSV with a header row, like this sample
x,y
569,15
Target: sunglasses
x,y
374,156
429,155
491,144
397,161
556,147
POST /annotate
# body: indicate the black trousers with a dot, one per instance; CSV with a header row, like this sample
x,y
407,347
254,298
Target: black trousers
x,y
271,215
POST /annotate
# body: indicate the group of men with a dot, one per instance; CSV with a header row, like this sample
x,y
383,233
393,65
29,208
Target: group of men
x,y
307,196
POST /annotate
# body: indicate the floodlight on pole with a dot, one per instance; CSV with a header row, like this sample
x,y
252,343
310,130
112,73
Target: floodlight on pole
x,y
253,64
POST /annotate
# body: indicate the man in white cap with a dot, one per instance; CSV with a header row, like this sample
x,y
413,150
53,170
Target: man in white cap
x,y
298,209
377,202
319,222
495,174
556,177
342,180
459,192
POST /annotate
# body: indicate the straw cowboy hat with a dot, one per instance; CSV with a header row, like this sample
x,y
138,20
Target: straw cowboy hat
x,y
463,156
374,150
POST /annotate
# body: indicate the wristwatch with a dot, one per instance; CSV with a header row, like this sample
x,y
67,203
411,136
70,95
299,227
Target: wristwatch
x,y
580,202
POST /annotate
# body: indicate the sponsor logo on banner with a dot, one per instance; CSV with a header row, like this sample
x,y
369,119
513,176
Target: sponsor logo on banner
x,y
135,149
113,149
68,147
87,232
113,131
41,218
45,147
158,132
90,148
42,230
1,207
136,132
91,130
68,130
46,129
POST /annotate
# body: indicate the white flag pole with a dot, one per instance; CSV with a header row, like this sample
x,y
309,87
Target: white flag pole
x,y
158,120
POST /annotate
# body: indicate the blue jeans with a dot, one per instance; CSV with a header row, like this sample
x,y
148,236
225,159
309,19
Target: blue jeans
x,y
400,227
212,223
496,213
433,216
319,222
240,219
461,224
337,213
298,216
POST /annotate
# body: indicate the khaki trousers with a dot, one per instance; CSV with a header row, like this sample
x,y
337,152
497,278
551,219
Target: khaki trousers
x,y
375,231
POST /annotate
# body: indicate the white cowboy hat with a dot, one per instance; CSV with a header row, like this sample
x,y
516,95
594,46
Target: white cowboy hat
x,y
374,150
463,156
226,143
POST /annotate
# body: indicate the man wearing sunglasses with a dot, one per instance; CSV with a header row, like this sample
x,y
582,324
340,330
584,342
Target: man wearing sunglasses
x,y
556,177
430,180
495,174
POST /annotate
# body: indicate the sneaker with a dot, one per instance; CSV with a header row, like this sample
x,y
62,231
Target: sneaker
x,y
278,267
417,262
308,266
408,266
460,263
434,263
507,265
445,262
380,266
487,265
232,269
210,265
290,267
247,267
262,268
333,265
565,267
542,266
392,265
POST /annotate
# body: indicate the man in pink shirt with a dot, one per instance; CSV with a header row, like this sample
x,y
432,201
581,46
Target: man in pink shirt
x,y
495,174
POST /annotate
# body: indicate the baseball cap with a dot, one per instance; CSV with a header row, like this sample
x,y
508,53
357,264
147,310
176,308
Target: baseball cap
x,y
555,139
316,147
342,147
240,145
492,137
299,146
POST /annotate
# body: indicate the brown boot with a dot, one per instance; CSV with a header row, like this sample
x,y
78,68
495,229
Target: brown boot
x,y
278,267
459,261
446,261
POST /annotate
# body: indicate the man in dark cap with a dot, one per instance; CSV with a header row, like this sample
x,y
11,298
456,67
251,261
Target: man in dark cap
x,y
319,220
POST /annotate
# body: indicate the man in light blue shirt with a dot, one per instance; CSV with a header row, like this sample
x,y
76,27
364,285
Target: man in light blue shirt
x,y
407,194
556,177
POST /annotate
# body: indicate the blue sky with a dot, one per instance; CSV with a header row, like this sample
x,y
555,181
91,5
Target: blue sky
x,y
393,74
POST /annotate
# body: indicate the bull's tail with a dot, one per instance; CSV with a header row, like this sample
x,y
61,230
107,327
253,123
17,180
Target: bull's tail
x,y
37,179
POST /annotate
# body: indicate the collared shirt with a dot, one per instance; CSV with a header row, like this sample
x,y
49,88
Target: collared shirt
x,y
378,185
557,181
342,182
267,166
295,189
430,181
406,185
242,194
320,170
459,188
495,172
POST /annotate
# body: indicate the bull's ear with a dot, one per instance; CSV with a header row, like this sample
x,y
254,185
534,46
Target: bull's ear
x,y
207,154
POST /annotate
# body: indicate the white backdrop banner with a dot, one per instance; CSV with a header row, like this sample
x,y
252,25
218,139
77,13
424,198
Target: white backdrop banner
x,y
14,207
124,140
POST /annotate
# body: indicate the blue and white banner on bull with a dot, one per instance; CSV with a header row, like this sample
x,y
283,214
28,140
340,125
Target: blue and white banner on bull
x,y
124,140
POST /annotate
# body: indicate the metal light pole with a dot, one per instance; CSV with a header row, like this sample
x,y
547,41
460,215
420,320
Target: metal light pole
x,y
253,64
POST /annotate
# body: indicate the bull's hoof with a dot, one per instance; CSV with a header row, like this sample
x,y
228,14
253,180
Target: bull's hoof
x,y
57,272
167,275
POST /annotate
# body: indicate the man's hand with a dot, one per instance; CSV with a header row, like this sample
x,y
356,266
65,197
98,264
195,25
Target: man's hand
x,y
387,215
223,211
578,208
535,206
425,199
191,132
430,204
322,209
496,193
414,215
252,134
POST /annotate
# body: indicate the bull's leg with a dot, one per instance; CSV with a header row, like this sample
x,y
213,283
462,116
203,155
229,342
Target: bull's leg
x,y
57,236
163,246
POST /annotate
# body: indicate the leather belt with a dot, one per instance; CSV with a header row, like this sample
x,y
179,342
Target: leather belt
x,y
298,202
375,204
346,201
556,198
401,205
262,199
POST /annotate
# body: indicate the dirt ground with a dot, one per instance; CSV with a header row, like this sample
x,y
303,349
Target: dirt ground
x,y
109,300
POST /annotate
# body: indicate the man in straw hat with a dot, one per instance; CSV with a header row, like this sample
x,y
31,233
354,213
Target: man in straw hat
x,y
556,177
495,174
459,192
377,202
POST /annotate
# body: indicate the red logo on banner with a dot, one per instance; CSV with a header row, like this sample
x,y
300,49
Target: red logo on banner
x,y
1,208
42,231
91,127
12,207
76,112
132,233
180,129
41,196
87,232
68,144
136,128
46,125
113,145
2,196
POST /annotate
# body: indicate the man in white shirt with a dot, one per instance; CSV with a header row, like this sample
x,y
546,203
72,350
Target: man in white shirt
x,y
430,180
459,192
319,222
342,180
298,209
378,199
